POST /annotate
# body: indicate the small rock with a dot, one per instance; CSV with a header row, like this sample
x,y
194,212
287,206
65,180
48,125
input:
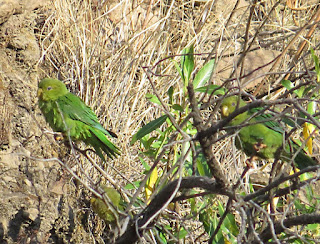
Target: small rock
x,y
28,182
255,61
33,213
26,45
10,160
8,179
7,8
259,179
40,166
58,187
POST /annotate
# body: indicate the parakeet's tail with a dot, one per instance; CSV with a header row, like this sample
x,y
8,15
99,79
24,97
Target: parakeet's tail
x,y
302,159
100,141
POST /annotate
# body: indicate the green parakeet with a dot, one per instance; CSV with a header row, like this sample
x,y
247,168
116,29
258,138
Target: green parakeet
x,y
262,139
100,208
68,114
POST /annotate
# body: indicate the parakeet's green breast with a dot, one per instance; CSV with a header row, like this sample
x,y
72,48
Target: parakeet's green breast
x,y
49,91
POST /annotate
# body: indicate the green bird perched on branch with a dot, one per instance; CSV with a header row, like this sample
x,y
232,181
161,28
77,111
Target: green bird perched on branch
x,y
68,114
100,208
262,139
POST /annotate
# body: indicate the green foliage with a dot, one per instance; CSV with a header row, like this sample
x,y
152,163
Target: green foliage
x,y
153,98
155,134
179,234
206,209
316,64
204,74
211,89
153,138
309,201
148,128
187,64
289,85
132,186
303,92
210,217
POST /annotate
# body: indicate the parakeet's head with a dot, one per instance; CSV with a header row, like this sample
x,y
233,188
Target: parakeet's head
x,y
229,105
50,89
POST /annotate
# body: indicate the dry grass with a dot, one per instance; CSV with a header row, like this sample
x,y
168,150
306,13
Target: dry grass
x,y
99,48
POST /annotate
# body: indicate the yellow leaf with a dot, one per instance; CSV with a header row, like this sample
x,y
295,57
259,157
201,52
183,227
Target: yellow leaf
x,y
226,241
151,183
308,130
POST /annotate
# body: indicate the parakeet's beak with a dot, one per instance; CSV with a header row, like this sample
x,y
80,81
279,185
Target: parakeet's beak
x,y
225,111
39,93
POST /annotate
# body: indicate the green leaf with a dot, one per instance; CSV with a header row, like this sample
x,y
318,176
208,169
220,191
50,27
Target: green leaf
x,y
229,223
182,233
162,237
300,91
287,84
145,164
316,64
178,68
147,142
215,89
204,74
177,107
153,98
130,186
210,222
299,205
187,64
193,206
313,227
170,94
188,167
312,106
148,128
202,166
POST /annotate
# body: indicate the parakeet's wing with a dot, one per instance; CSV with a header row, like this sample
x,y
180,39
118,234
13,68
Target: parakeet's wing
x,y
302,159
76,109
266,119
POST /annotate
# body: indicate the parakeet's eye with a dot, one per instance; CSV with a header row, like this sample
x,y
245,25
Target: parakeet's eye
x,y
49,88
233,104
